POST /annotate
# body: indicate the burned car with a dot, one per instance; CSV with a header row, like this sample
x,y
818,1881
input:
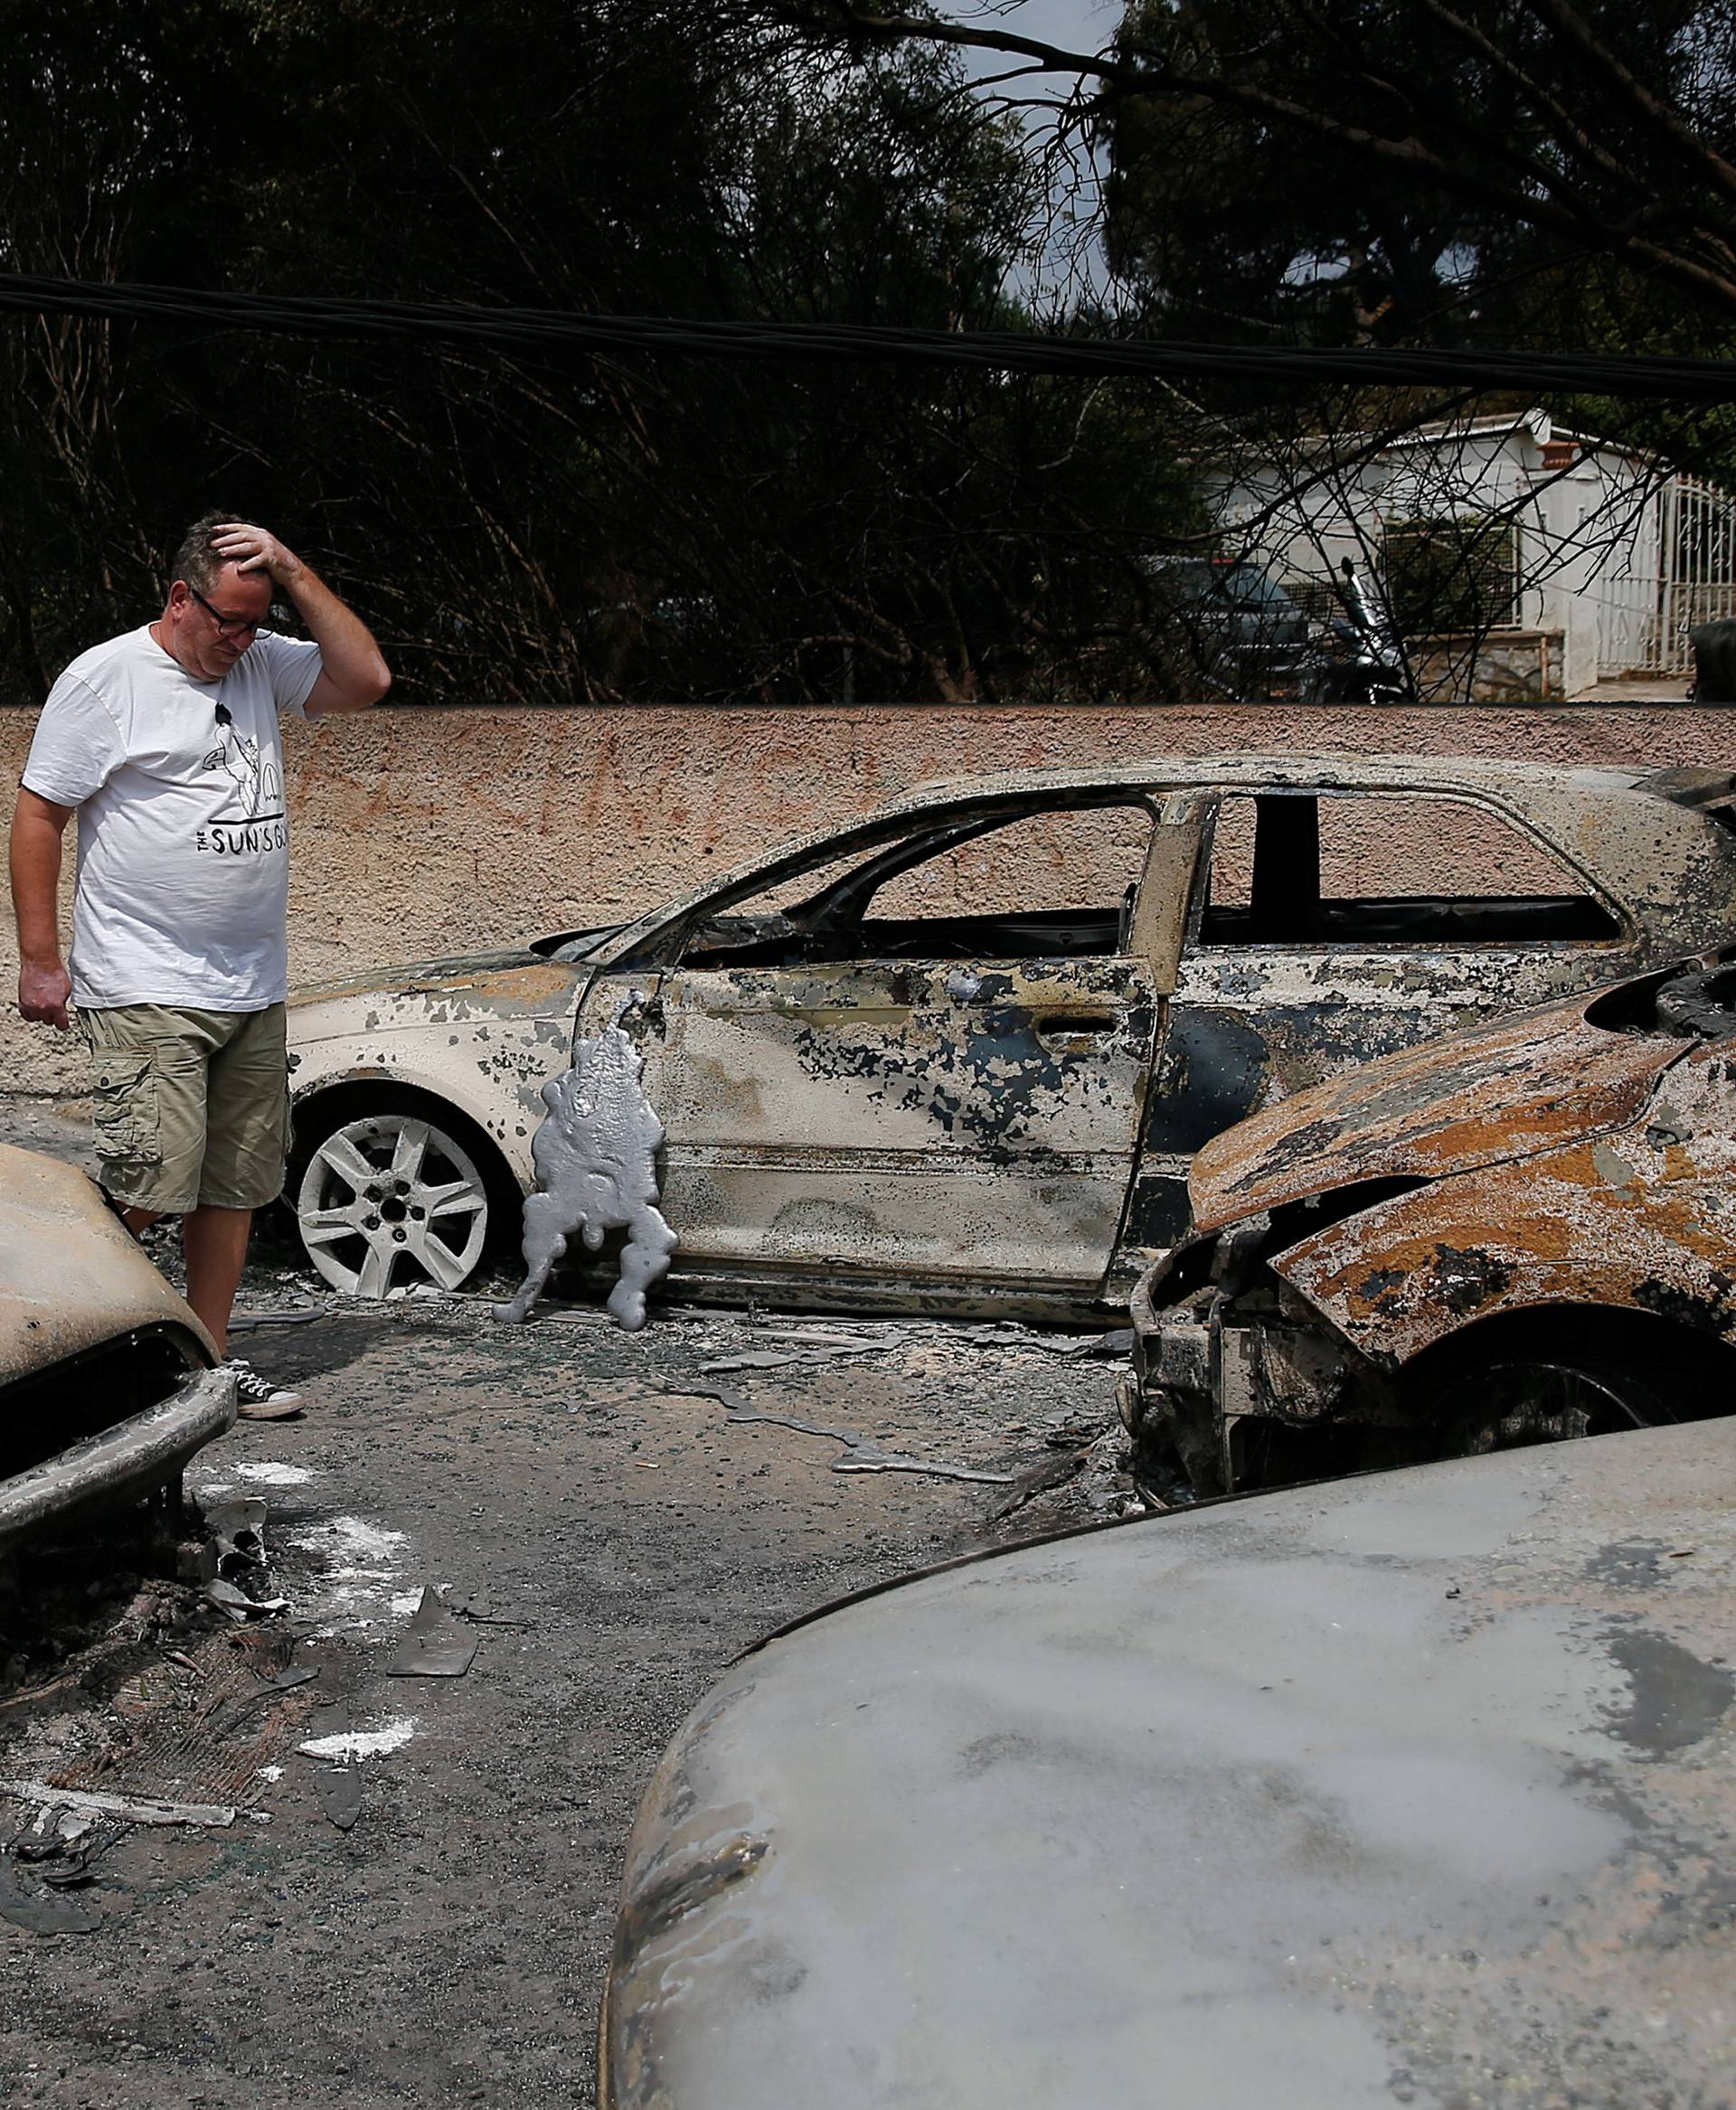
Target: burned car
x,y
106,1379
1514,1236
958,1055
1410,1789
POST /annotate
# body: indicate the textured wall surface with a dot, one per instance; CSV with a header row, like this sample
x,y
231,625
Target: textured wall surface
x,y
434,831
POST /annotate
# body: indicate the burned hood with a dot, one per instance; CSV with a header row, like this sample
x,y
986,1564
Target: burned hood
x,y
70,1276
420,977
1498,1093
478,988
1326,1799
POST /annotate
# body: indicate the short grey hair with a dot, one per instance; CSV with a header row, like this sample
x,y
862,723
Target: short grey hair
x,y
195,561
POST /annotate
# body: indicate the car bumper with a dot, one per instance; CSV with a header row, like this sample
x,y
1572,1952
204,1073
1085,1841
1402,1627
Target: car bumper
x,y
120,1465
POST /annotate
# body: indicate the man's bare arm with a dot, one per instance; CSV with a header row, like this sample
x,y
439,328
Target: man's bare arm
x,y
354,671
45,985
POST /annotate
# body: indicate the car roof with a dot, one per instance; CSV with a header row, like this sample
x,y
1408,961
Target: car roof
x,y
1643,836
1314,769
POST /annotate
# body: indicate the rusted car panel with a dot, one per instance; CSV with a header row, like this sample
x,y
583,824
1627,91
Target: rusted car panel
x,y
1630,1220
1415,1788
104,1384
1550,1201
990,1096
1521,1085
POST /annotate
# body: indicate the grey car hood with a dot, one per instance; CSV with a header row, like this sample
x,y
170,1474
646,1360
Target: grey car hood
x,y
1411,1789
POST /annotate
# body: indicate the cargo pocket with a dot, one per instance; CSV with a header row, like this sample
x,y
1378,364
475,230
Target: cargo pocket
x,y
124,1110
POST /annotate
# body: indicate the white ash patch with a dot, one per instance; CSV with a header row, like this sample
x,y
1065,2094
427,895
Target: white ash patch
x,y
267,1473
361,1743
344,1570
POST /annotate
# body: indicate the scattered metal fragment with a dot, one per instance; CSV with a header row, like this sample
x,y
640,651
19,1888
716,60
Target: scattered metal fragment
x,y
864,1456
135,1809
1046,1473
861,1452
595,1156
239,1606
339,1789
360,1743
1106,1347
435,1644
238,1527
865,1337
733,1362
44,1910
784,1359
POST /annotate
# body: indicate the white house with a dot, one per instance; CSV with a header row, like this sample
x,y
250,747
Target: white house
x,y
1548,560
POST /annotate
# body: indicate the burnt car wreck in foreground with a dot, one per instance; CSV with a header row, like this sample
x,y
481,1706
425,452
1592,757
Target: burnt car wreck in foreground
x,y
1410,1789
1514,1235
106,1379
958,1056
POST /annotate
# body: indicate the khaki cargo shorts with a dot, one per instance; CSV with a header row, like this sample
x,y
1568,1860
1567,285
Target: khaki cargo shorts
x,y
192,1106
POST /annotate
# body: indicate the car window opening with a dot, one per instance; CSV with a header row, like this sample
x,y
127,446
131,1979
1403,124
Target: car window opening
x,y
1289,869
1056,884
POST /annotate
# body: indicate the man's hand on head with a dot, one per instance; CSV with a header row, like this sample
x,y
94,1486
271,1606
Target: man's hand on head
x,y
253,548
42,994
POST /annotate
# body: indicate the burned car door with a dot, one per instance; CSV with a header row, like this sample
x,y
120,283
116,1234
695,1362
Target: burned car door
x,y
1331,927
928,1066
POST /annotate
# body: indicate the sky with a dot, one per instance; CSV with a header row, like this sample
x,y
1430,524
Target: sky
x,y
1066,269
1081,24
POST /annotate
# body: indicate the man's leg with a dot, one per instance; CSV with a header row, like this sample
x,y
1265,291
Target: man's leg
x,y
215,1243
147,1066
246,1139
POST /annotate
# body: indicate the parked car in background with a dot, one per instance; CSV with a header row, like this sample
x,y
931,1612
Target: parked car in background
x,y
1413,1789
958,1056
1239,629
1514,1236
106,1379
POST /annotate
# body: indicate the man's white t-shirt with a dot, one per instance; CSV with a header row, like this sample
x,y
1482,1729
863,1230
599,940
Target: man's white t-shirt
x,y
183,843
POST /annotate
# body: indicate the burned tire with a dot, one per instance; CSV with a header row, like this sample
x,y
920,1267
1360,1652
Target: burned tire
x,y
394,1195
1556,1380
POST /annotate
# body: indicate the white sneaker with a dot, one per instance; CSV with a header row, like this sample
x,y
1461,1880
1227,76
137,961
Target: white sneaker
x,y
257,1399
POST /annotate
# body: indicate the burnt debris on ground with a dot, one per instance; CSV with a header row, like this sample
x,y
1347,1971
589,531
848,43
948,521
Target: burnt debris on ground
x,y
599,1539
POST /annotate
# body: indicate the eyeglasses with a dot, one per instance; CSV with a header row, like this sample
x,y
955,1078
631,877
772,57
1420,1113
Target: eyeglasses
x,y
230,626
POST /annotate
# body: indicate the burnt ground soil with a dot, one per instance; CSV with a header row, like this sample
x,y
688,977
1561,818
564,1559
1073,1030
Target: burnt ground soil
x,y
610,1538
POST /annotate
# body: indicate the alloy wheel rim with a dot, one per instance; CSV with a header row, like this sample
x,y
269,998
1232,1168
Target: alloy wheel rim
x,y
391,1200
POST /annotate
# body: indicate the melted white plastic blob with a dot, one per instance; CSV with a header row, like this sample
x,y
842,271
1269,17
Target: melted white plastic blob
x,y
596,1160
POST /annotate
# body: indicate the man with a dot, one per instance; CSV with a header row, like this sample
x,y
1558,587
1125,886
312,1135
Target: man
x,y
166,743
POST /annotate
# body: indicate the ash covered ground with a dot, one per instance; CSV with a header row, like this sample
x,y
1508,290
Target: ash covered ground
x,y
608,1536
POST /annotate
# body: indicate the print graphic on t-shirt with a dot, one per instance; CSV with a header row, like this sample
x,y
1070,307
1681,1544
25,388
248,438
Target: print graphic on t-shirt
x,y
254,819
261,792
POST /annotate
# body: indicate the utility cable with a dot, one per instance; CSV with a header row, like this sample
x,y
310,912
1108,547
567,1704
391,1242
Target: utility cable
x,y
553,333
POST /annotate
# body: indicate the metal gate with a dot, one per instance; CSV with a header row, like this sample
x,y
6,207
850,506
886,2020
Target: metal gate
x,y
1699,566
1679,570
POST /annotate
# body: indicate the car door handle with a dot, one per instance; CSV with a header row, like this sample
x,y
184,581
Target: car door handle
x,y
1075,1025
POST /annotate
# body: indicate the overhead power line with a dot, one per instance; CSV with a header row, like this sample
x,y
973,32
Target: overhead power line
x,y
554,333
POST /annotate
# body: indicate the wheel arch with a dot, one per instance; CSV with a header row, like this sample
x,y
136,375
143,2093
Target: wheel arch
x,y
345,1099
1581,1335
367,1088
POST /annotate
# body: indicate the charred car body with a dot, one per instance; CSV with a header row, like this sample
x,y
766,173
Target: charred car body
x,y
1410,1789
106,1379
1514,1236
958,1056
